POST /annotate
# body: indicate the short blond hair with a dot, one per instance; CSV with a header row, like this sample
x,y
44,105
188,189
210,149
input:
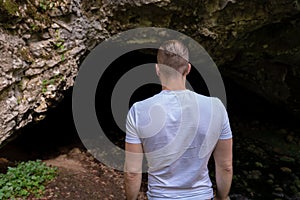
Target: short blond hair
x,y
173,54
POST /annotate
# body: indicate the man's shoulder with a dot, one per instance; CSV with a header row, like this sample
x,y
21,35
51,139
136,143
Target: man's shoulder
x,y
203,97
207,101
147,101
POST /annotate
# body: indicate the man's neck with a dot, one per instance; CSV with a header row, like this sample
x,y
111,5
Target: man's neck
x,y
173,84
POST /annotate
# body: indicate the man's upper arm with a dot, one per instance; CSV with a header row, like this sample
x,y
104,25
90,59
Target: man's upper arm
x,y
133,158
223,150
131,128
223,153
133,145
226,132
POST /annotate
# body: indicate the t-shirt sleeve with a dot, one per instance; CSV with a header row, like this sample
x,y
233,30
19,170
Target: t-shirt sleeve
x,y
131,130
226,132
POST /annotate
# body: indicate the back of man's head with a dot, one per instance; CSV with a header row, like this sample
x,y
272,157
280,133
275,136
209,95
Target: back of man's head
x,y
171,55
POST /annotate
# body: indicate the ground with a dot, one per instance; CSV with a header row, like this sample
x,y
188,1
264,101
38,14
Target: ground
x,y
80,177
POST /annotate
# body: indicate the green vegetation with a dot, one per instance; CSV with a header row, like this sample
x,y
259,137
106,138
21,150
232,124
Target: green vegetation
x,y
10,6
51,81
45,83
19,100
28,178
62,57
37,12
26,55
44,86
59,45
59,41
46,4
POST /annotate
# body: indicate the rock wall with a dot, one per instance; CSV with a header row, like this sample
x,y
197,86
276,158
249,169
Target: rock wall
x,y
42,42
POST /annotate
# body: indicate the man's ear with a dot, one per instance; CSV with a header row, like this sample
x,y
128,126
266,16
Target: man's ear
x,y
157,69
188,69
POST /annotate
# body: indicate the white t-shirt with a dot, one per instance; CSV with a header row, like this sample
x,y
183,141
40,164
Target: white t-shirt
x,y
178,130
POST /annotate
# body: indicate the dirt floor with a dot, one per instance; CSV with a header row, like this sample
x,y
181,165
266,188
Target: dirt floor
x,y
81,177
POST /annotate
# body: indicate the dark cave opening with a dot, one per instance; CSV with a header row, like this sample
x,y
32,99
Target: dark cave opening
x,y
50,137
249,115
57,133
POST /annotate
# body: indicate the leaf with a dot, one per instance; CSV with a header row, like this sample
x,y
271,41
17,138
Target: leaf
x,y
25,179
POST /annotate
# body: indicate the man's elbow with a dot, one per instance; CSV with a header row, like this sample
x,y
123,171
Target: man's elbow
x,y
132,176
226,168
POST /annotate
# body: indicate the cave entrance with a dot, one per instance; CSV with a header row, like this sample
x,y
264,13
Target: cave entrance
x,y
54,135
257,127
57,134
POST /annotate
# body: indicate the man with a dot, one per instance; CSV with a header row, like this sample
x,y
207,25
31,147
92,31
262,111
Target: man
x,y
177,130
